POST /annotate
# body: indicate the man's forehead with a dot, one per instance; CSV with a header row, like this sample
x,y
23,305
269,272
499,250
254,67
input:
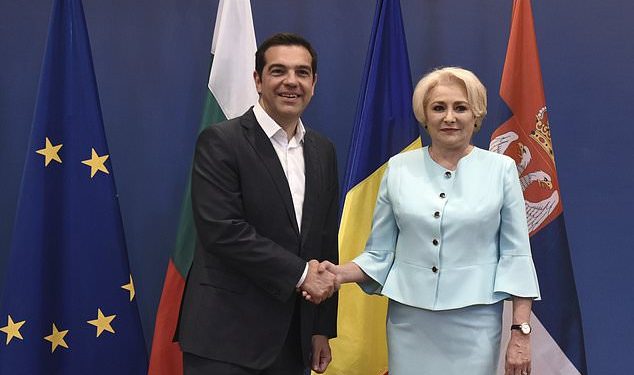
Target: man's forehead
x,y
288,56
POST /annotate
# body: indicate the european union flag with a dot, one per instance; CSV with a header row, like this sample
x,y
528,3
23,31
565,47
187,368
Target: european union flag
x,y
68,305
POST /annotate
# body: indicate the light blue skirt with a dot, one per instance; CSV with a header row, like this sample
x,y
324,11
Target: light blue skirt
x,y
449,342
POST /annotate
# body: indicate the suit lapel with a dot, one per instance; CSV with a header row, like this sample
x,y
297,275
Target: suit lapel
x,y
313,182
262,146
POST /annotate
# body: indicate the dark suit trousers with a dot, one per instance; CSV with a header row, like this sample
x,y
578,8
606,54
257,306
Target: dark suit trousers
x,y
288,362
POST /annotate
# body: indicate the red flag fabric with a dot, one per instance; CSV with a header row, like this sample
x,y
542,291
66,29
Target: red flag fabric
x,y
528,129
558,344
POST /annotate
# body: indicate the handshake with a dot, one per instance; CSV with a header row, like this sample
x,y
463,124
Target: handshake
x,y
321,282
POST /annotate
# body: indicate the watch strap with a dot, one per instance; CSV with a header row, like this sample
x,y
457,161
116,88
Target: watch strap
x,y
525,328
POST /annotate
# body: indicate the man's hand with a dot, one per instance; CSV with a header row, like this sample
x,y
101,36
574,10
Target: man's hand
x,y
321,353
326,266
319,283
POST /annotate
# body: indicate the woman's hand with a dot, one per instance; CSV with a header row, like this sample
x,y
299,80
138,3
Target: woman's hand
x,y
344,273
518,354
334,269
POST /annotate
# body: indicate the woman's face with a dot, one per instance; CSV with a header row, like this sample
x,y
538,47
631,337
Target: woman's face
x,y
450,120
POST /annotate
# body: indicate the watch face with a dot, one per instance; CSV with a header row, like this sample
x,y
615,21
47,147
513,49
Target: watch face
x,y
525,328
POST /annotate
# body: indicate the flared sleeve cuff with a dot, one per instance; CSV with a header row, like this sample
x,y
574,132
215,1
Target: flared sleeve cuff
x,y
376,264
516,276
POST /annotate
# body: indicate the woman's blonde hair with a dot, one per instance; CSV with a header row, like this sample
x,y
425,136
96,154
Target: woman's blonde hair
x,y
476,92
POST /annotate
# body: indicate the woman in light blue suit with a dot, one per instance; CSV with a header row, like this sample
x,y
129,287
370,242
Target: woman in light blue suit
x,y
449,243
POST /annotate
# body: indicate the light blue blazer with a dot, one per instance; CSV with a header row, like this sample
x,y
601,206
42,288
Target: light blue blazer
x,y
446,239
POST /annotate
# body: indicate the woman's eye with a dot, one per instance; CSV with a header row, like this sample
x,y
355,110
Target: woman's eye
x,y
461,108
437,108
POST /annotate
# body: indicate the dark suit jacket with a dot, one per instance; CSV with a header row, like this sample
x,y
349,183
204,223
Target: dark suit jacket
x,y
240,292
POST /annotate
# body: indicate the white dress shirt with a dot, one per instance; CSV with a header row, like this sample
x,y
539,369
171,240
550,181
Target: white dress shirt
x,y
291,155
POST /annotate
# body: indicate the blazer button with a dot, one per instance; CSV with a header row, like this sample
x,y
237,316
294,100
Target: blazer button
x,y
442,195
434,269
436,214
447,174
435,242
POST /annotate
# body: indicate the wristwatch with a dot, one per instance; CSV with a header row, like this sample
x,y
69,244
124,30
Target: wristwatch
x,y
525,328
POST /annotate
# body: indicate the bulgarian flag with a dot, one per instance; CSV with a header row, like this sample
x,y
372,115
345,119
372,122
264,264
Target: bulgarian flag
x,y
231,92
557,338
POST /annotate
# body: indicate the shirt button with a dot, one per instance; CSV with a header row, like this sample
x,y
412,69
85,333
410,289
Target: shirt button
x,y
442,195
435,242
434,269
447,174
436,214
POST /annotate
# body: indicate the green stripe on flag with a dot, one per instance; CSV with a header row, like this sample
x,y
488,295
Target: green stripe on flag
x,y
186,236
231,80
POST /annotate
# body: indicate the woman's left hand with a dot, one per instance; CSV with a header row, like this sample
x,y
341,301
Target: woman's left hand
x,y
518,355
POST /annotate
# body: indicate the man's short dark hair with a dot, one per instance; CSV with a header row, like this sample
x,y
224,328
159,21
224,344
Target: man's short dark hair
x,y
283,39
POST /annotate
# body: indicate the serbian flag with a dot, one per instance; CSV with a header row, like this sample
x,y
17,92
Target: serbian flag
x,y
557,338
231,92
384,126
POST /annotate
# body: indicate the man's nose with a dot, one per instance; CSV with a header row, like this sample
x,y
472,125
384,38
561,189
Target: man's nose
x,y
290,78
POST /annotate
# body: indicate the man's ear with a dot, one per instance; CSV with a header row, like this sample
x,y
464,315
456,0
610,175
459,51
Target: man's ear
x,y
314,82
258,81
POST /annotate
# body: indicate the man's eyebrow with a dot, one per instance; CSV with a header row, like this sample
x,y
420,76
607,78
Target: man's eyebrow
x,y
301,66
276,66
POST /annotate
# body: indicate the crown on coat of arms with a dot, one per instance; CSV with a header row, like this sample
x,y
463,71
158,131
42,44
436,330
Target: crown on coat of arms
x,y
541,134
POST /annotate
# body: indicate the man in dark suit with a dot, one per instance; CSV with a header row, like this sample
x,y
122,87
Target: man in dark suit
x,y
265,200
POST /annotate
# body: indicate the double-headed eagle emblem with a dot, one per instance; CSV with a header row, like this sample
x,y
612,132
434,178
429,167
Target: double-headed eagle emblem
x,y
536,211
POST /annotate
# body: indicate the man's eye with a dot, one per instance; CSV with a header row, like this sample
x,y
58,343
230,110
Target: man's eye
x,y
277,72
303,73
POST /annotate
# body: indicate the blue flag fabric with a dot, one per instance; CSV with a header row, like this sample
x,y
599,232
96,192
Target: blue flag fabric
x,y
384,126
384,122
68,303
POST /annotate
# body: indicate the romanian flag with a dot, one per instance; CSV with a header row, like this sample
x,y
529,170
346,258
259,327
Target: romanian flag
x,y
557,339
384,126
231,92
68,305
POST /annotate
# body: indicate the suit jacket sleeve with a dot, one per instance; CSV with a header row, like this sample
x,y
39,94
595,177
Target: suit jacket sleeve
x,y
220,221
326,313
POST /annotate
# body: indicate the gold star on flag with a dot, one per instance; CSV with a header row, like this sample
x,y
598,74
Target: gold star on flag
x,y
12,329
102,322
57,338
130,287
96,163
50,152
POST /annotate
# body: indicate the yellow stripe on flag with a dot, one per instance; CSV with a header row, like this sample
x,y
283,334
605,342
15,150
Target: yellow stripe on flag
x,y
360,347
